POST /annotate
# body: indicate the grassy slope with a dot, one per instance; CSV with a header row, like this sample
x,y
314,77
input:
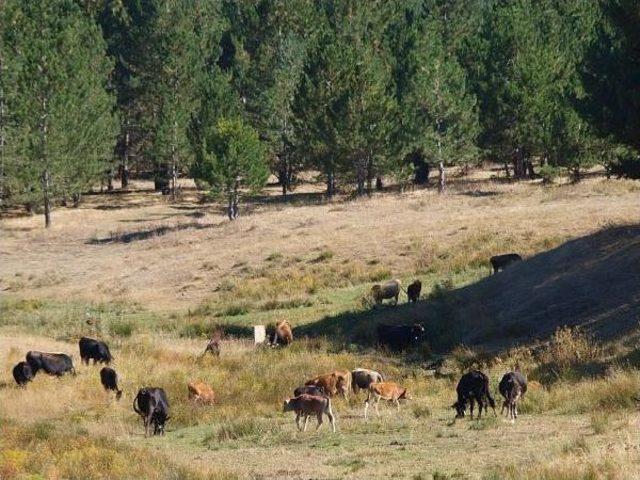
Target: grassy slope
x,y
154,295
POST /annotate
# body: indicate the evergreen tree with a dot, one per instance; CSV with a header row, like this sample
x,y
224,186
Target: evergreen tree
x,y
231,158
57,70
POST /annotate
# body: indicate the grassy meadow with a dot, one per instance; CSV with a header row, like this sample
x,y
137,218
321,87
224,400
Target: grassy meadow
x,y
153,278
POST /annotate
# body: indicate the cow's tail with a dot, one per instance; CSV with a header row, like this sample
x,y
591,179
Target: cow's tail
x,y
135,405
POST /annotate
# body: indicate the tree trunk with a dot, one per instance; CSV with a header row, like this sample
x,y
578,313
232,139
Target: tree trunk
x,y
361,175
518,163
124,177
46,184
232,206
379,184
174,163
441,178
331,185
506,170
369,175
76,199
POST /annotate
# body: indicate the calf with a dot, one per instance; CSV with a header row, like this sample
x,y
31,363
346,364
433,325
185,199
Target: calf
x,y
473,387
56,364
310,404
389,391
500,262
282,334
201,392
332,383
22,374
152,405
512,387
413,291
109,380
213,347
400,337
310,390
361,378
95,350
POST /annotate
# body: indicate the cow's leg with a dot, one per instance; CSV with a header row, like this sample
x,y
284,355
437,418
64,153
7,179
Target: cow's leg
x,y
471,405
331,419
319,415
504,405
147,422
397,402
298,421
515,409
306,419
377,400
366,404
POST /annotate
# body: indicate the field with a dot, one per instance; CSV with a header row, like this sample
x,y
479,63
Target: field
x,y
153,278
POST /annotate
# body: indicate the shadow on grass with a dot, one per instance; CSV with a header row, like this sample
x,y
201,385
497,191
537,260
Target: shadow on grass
x,y
146,234
592,282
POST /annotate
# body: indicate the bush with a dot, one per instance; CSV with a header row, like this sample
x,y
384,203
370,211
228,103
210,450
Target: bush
x,y
549,173
121,328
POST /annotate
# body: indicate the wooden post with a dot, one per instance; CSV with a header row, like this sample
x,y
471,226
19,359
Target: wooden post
x,y
259,334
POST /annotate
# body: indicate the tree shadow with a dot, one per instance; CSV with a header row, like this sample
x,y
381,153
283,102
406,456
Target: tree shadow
x,y
592,282
146,234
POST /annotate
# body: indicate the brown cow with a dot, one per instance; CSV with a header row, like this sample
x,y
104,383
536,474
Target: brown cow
x,y
282,334
332,383
307,405
201,392
389,391
213,347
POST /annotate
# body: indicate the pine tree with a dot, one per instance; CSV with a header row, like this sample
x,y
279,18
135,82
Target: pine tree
x,y
58,71
231,158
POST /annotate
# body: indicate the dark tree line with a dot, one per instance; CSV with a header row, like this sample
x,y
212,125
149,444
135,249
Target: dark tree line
x,y
229,91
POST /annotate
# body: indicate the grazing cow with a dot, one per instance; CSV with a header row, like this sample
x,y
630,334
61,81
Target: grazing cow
x,y
152,405
400,337
389,391
332,383
213,347
22,373
413,291
500,262
95,350
109,380
310,390
361,378
201,392
52,363
512,387
307,405
473,387
387,290
282,334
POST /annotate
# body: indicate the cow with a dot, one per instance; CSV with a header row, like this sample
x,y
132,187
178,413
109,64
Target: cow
x,y
109,380
361,378
399,337
152,405
413,291
200,392
213,347
310,390
96,350
512,387
56,364
305,405
22,373
473,387
385,291
282,334
500,262
332,383
389,391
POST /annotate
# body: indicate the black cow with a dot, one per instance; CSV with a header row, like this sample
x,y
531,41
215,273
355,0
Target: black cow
x,y
109,380
95,350
152,405
400,337
413,291
500,262
22,373
512,387
473,387
56,364
309,390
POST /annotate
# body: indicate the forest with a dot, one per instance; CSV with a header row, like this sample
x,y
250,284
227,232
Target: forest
x,y
357,93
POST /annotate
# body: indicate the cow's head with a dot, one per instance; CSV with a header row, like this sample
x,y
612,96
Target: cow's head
x,y
417,333
460,408
405,395
286,405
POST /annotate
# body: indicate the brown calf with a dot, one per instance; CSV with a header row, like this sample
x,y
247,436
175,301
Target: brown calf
x,y
201,392
333,383
389,391
305,405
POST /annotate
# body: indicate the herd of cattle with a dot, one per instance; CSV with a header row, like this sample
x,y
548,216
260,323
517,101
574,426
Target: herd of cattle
x,y
314,397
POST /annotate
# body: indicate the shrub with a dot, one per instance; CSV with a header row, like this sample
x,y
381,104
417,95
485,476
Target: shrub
x,y
121,328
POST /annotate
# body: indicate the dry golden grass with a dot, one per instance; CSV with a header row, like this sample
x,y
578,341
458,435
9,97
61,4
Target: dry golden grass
x,y
152,278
